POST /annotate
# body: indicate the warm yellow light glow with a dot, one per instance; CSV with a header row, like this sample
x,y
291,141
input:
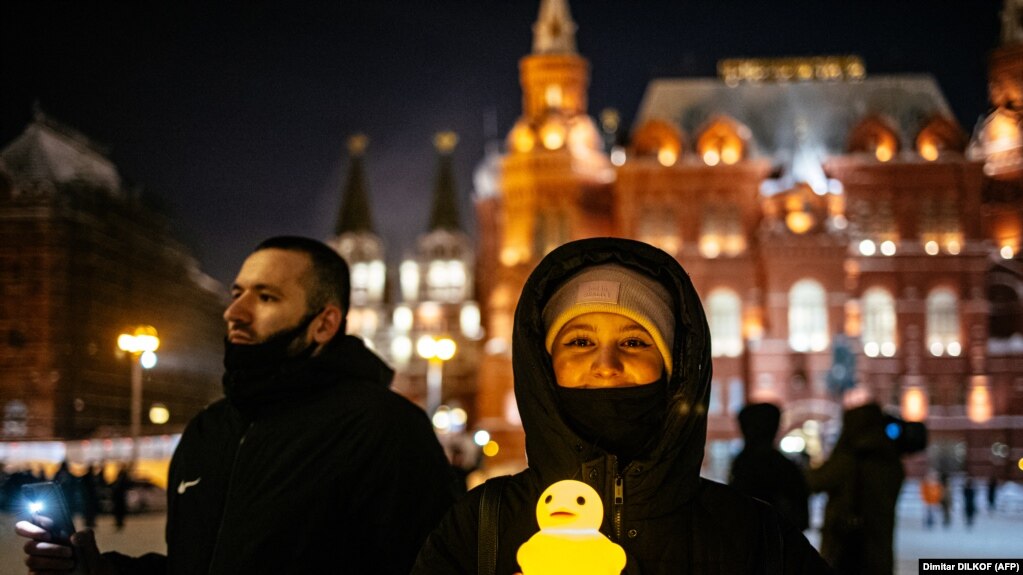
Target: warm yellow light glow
x,y
953,247
426,347
552,134
710,246
445,348
978,407
871,349
931,247
491,448
884,152
159,414
888,248
711,157
914,404
522,138
868,247
509,256
667,156
799,222
143,339
730,154
1006,252
928,150
569,513
552,96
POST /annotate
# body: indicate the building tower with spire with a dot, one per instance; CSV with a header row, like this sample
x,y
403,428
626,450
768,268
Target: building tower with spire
x,y
553,185
362,248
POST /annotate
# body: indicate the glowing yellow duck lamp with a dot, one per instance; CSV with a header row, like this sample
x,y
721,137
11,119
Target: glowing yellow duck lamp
x,y
569,543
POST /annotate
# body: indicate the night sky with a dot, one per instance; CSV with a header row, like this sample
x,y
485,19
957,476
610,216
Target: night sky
x,y
235,116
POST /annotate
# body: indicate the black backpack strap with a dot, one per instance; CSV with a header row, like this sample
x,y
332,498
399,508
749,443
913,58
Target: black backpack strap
x,y
490,512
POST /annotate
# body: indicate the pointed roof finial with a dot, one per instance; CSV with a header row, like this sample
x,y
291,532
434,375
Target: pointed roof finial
x,y
444,215
445,142
554,30
354,215
357,144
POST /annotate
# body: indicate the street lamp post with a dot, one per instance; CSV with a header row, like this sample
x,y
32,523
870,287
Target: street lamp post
x,y
435,352
142,344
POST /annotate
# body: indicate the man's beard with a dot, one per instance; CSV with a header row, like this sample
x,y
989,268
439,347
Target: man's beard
x,y
286,344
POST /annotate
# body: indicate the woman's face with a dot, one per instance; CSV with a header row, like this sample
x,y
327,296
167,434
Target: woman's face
x,y
603,349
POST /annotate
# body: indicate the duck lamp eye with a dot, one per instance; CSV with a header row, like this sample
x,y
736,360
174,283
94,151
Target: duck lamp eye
x,y
580,500
548,499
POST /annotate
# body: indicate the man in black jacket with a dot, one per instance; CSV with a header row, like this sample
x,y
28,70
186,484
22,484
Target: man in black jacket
x,y
310,462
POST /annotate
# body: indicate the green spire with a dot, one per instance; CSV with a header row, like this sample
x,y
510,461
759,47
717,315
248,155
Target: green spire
x,y
354,215
445,203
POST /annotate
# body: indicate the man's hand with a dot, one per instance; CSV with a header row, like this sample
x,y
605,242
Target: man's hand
x,y
43,555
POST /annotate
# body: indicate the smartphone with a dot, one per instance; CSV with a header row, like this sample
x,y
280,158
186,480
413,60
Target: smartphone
x,y
49,509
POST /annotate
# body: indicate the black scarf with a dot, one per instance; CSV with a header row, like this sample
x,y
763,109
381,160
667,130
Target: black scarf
x,y
624,421
254,371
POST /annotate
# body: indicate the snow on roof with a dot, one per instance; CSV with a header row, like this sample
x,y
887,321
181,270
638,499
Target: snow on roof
x,y
49,152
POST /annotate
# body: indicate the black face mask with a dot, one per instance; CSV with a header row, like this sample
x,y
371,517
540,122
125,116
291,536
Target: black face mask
x,y
625,421
272,353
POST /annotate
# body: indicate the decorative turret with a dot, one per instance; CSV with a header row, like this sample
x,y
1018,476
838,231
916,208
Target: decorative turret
x,y
360,246
445,204
554,30
354,215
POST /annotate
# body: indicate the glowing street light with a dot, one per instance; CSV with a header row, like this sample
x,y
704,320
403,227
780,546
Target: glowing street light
x,y
435,352
142,344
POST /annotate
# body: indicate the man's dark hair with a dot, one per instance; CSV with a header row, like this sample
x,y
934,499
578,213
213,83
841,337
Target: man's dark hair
x,y
329,280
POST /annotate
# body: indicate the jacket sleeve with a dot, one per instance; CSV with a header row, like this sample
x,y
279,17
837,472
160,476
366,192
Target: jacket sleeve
x,y
148,564
451,548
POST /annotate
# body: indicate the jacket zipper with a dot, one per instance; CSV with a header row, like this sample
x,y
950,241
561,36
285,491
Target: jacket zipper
x,y
227,497
619,501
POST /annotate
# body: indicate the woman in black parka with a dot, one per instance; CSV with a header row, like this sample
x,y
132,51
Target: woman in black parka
x,y
596,318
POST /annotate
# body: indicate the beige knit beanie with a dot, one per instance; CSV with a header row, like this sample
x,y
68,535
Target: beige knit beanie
x,y
615,289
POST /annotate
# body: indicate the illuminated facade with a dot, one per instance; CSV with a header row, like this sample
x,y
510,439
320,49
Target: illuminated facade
x,y
435,287
819,210
82,259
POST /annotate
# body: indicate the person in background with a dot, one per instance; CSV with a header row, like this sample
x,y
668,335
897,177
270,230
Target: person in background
x,y
992,491
969,502
612,375
862,477
310,463
931,493
119,496
762,472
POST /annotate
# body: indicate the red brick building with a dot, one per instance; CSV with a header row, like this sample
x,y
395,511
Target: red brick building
x,y
819,210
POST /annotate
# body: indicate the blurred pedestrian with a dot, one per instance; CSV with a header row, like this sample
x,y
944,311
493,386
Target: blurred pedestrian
x,y
119,496
763,472
90,495
992,491
69,486
969,501
931,492
946,501
862,478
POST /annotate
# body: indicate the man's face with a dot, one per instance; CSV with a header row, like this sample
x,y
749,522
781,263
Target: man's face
x,y
601,349
268,296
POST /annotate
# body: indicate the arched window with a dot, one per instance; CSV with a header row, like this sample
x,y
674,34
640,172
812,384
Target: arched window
x,y
658,227
878,323
722,141
943,323
877,136
724,311
808,316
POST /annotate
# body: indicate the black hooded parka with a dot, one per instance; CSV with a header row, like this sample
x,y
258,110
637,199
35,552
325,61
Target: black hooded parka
x,y
667,518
